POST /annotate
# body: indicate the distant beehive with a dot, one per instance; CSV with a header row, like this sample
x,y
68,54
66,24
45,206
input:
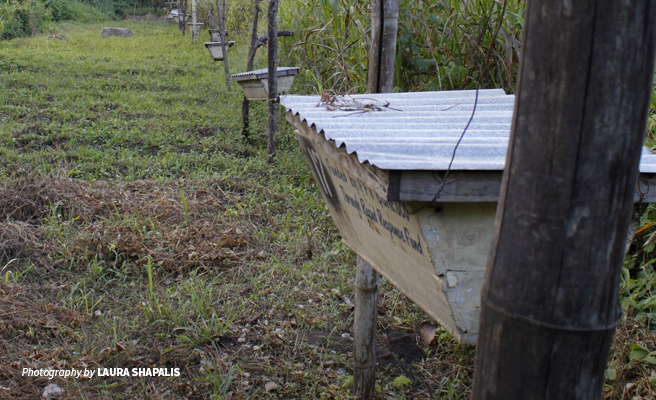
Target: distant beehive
x,y
255,84
216,50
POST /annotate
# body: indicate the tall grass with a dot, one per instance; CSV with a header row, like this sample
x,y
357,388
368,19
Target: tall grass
x,y
20,18
442,44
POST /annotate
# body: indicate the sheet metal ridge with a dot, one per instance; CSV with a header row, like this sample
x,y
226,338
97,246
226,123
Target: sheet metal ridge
x,y
390,141
264,72
427,112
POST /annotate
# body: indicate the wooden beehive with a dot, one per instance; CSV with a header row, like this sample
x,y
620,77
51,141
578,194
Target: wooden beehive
x,y
256,86
380,161
175,16
216,50
215,35
195,28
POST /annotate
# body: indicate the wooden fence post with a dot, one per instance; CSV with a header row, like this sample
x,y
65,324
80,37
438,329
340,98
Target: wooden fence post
x,y
550,300
221,17
380,79
364,330
245,122
273,78
193,21
382,50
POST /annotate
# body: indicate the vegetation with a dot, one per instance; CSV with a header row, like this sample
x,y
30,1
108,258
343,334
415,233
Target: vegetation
x,y
138,229
442,45
20,18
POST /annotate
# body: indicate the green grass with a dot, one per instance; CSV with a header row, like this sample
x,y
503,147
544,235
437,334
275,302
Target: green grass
x,y
139,230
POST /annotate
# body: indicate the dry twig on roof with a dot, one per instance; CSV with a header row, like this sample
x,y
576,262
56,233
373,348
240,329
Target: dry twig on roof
x,y
334,102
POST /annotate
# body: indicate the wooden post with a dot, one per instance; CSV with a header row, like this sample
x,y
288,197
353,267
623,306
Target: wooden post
x,y
273,78
256,43
245,122
550,299
193,20
382,51
183,17
221,16
380,79
180,21
364,330
212,22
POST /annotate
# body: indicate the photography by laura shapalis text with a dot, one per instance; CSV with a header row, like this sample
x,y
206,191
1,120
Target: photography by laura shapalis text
x,y
90,373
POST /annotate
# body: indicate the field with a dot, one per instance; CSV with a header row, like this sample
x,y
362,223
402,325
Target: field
x,y
140,230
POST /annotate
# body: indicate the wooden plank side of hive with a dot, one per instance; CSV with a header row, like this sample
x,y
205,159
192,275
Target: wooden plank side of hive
x,y
385,234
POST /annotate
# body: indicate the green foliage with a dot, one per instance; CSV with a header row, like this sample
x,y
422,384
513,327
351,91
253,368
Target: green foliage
x,y
22,18
401,380
442,44
19,18
651,118
331,39
638,277
67,10
451,44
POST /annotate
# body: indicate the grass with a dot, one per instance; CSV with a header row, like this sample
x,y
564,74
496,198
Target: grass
x,y
139,230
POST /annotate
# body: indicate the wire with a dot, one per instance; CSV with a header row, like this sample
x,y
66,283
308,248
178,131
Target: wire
x,y
455,149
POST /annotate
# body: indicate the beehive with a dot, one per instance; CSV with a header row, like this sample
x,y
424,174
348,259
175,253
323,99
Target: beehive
x,y
256,86
216,50
380,161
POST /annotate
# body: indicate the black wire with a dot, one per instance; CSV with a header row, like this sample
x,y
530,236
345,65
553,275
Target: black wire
x,y
455,149
453,155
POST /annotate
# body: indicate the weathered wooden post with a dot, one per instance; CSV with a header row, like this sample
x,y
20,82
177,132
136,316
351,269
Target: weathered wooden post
x,y
194,28
221,17
212,22
273,78
380,79
364,330
245,122
180,17
549,304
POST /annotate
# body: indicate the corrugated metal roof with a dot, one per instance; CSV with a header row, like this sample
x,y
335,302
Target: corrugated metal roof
x,y
263,73
419,130
228,44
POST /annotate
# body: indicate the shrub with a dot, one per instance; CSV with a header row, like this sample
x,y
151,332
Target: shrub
x,y
73,10
442,44
22,18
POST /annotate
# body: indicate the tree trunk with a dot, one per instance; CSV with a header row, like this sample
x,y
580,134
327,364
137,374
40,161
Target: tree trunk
x,y
245,129
550,299
273,78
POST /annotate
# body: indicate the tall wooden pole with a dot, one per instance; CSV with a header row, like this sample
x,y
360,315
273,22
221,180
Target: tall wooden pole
x,y
245,107
380,79
221,17
193,21
180,15
550,299
382,50
273,78
212,22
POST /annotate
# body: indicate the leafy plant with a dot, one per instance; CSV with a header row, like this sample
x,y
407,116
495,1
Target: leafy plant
x,y
442,44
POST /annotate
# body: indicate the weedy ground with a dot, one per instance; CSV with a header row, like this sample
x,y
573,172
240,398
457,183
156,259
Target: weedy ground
x,y
139,229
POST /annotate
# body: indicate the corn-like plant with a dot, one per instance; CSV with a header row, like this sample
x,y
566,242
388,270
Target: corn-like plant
x,y
442,44
331,40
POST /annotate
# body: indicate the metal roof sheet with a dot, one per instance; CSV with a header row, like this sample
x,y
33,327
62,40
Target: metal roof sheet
x,y
263,73
419,130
